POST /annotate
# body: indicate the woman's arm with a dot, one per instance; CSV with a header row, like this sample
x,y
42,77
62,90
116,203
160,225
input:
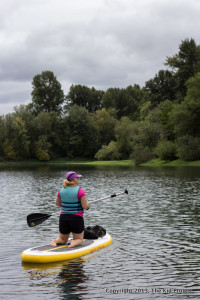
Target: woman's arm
x,y
85,204
58,202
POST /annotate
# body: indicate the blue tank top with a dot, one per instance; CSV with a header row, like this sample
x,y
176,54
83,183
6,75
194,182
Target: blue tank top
x,y
69,200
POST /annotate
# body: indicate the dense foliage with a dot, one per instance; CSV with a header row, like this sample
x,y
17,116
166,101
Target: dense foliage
x,y
160,119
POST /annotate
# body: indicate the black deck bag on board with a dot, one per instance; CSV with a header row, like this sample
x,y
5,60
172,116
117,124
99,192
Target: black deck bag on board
x,y
94,232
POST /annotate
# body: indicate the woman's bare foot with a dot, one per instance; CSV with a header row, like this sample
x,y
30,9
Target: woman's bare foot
x,y
53,243
61,240
74,243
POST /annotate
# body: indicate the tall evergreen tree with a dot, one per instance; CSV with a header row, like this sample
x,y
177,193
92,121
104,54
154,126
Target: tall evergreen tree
x,y
185,64
162,87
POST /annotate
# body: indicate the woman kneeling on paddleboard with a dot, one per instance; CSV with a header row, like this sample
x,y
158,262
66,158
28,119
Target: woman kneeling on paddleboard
x,y
73,201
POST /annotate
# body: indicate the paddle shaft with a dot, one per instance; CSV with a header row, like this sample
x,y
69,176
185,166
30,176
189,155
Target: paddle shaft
x,y
112,196
36,219
101,199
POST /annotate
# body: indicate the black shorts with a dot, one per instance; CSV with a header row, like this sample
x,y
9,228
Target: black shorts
x,y
71,223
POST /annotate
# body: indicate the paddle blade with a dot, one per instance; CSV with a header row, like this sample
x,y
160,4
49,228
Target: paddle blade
x,y
36,219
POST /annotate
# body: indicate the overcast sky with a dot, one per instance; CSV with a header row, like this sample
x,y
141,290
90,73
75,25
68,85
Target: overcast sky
x,y
100,43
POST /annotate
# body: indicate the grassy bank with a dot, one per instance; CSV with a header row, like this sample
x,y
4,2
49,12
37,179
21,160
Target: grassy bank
x,y
122,163
66,162
174,163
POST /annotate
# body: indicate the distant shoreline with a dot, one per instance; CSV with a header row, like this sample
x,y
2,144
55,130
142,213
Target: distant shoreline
x,y
120,163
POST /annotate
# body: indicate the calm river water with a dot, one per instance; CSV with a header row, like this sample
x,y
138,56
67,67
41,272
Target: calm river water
x,y
155,252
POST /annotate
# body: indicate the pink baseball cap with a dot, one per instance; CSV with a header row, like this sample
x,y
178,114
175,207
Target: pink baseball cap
x,y
71,175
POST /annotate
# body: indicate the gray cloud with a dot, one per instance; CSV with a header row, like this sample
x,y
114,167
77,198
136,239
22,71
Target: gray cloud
x,y
101,43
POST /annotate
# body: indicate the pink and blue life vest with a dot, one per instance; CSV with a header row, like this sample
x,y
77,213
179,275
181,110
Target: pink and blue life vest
x,y
69,200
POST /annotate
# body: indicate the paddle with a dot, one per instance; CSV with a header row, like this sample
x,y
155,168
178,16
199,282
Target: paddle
x,y
37,218
113,195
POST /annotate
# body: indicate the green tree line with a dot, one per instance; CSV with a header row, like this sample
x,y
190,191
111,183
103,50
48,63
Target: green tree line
x,y
160,119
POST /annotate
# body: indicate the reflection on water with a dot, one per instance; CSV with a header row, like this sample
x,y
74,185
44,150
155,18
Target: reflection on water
x,y
68,277
71,281
155,230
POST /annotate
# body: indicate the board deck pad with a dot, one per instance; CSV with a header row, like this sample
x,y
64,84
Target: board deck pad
x,y
62,248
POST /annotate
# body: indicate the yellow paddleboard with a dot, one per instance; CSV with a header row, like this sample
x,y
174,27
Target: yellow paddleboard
x,y
48,254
